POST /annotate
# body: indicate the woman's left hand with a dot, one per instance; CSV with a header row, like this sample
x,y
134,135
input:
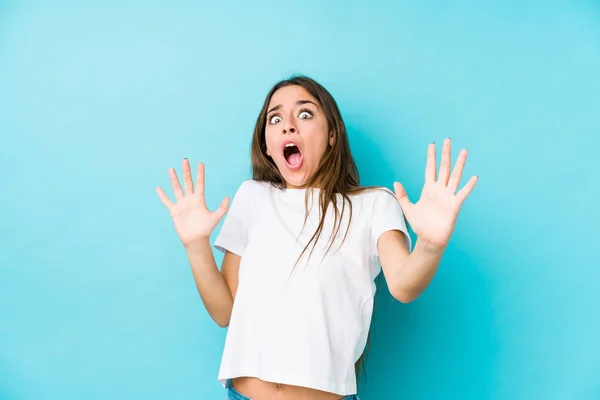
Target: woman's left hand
x,y
434,216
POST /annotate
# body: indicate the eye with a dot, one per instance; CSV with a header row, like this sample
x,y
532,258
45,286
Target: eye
x,y
305,114
274,119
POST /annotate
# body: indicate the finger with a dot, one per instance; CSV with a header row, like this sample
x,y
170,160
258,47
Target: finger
x,y
164,198
430,167
175,184
187,177
458,171
445,163
466,190
220,212
401,196
200,180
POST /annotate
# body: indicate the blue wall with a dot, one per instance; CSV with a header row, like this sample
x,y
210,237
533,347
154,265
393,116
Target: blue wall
x,y
98,100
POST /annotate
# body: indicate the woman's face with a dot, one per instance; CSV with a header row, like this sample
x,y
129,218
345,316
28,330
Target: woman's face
x,y
296,134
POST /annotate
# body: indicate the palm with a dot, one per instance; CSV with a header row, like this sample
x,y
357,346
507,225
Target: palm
x,y
192,219
434,216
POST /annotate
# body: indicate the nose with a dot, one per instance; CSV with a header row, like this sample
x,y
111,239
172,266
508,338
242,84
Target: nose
x,y
289,127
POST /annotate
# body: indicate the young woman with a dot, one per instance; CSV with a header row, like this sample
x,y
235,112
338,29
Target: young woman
x,y
303,243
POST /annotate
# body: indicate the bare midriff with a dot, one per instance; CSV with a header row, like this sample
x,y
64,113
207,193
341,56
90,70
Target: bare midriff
x,y
257,389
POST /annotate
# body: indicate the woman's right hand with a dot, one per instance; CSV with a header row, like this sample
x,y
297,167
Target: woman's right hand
x,y
193,221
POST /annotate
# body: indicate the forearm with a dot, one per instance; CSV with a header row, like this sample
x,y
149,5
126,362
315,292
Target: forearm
x,y
416,273
210,283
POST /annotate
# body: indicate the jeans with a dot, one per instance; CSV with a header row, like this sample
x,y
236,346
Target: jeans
x,y
233,394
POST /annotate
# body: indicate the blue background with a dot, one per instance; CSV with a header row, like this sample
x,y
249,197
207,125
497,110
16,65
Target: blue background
x,y
98,100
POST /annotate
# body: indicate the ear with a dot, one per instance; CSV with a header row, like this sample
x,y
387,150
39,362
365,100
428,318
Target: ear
x,y
331,138
268,152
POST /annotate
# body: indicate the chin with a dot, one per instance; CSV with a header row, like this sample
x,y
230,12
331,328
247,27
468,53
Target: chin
x,y
296,179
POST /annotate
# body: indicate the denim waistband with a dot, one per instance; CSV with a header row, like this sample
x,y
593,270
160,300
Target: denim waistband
x,y
233,394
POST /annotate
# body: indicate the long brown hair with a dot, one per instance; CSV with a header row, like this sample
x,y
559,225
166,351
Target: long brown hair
x,y
337,172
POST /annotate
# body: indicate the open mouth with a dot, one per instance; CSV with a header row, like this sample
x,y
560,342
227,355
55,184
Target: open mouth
x,y
292,155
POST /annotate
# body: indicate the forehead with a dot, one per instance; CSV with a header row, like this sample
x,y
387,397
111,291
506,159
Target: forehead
x,y
288,96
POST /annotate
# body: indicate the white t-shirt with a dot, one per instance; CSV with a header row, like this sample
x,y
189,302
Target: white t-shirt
x,y
307,325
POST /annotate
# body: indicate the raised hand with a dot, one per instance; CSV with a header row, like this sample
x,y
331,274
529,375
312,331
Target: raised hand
x,y
193,221
434,216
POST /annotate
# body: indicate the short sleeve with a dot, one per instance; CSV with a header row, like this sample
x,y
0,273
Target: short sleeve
x,y
387,215
233,235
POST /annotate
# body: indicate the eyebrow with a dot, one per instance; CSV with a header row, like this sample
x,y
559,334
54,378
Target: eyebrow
x,y
298,103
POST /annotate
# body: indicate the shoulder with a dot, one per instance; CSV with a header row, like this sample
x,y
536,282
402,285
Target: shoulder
x,y
380,203
252,184
376,194
253,188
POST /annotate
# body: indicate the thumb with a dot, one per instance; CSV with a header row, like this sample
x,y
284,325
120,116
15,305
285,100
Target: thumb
x,y
401,196
220,212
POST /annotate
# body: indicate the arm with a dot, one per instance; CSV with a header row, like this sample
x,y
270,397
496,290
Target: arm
x,y
216,288
194,223
407,274
432,218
